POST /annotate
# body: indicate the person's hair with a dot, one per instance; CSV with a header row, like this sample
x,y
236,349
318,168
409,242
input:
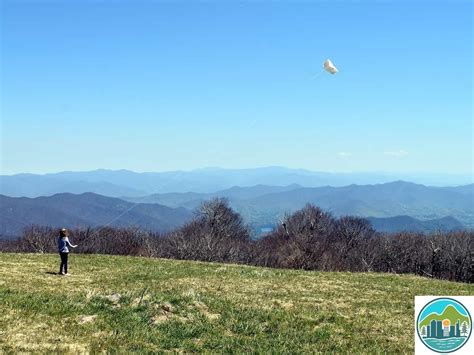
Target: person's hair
x,y
63,232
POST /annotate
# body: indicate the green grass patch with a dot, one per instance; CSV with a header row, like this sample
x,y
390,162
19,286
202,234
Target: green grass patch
x,y
118,303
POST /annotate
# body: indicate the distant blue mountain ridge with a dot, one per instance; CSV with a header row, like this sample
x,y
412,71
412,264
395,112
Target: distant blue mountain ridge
x,y
391,206
262,205
127,183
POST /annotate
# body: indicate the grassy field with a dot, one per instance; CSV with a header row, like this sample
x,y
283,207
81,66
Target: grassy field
x,y
139,304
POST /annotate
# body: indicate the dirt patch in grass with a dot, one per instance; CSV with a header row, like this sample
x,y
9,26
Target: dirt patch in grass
x,y
87,319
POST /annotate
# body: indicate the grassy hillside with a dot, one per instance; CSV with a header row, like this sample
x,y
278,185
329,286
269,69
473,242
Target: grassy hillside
x,y
132,304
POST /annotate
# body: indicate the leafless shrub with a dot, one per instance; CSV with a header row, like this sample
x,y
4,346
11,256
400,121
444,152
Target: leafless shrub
x,y
216,234
350,247
308,239
38,239
301,241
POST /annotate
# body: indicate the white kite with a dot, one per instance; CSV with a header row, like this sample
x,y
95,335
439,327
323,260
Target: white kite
x,y
329,67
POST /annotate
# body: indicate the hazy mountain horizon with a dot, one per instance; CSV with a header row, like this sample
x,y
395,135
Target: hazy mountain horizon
x,y
128,183
468,176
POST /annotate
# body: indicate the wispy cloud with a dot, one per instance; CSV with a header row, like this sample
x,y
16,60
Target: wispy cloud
x,y
344,154
397,153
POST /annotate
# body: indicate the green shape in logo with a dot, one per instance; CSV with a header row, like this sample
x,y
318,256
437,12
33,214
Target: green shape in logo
x,y
444,325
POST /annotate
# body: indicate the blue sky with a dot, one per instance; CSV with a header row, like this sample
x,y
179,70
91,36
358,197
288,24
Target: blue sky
x,y
154,86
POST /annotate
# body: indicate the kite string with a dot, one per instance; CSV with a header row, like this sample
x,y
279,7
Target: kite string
x,y
317,75
103,226
251,124
120,215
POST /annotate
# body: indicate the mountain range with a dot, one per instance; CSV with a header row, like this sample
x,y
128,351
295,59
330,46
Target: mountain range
x,y
117,183
390,207
262,205
450,312
85,210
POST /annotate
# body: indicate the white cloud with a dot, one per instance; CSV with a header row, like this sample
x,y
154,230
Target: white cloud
x,y
344,154
397,153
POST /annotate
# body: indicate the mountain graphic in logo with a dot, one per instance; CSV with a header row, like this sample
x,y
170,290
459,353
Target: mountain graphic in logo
x,y
444,325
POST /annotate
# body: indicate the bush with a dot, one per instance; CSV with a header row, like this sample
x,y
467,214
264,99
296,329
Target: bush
x,y
309,239
216,234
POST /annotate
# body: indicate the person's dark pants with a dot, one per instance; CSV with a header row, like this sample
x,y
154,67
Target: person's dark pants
x,y
63,263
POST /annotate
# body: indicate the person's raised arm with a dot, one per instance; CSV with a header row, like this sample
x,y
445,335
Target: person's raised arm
x,y
69,243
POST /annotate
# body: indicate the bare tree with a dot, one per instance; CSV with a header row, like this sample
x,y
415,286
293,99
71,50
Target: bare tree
x,y
307,232
307,239
39,239
350,244
216,234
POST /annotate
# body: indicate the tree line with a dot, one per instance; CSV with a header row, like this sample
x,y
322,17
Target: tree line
x,y
309,239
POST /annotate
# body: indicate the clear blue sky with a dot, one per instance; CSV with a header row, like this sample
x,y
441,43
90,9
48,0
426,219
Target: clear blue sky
x,y
153,86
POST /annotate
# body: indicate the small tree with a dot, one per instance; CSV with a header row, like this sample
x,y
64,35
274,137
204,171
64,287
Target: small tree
x,y
308,232
216,234
464,328
423,331
350,241
39,239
